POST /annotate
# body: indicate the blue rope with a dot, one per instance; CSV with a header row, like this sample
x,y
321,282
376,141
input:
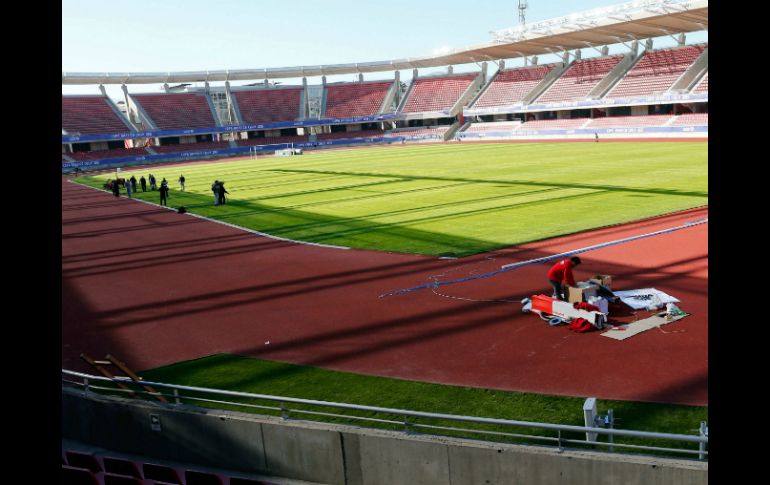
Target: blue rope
x,y
512,266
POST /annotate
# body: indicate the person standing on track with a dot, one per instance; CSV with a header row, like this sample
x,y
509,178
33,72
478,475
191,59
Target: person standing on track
x,y
181,182
562,272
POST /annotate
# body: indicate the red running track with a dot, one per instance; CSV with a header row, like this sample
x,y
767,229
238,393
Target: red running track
x,y
154,287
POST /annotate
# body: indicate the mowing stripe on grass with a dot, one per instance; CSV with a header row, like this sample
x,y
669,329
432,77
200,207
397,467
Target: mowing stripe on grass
x,y
512,266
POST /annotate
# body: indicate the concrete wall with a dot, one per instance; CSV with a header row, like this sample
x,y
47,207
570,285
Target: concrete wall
x,y
345,455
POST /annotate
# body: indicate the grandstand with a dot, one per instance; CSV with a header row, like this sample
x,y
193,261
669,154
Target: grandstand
x,y
180,110
271,105
89,115
512,85
656,71
356,99
436,93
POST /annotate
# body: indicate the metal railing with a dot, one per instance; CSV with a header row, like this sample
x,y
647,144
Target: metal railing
x,y
406,420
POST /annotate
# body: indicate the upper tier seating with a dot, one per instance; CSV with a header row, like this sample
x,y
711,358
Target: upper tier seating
x,y
90,115
177,111
437,93
579,79
656,71
270,105
356,99
511,85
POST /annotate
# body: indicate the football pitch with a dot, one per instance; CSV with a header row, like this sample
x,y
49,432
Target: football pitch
x,y
445,200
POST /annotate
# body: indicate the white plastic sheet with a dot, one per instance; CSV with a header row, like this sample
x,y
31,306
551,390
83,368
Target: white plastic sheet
x,y
645,298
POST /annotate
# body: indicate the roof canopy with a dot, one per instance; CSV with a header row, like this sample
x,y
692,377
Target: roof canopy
x,y
625,22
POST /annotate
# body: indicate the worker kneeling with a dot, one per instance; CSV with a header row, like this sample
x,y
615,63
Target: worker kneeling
x,y
562,272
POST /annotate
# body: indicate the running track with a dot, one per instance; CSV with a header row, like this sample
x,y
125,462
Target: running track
x,y
155,287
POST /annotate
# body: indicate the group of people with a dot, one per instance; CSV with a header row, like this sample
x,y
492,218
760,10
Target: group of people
x,y
218,187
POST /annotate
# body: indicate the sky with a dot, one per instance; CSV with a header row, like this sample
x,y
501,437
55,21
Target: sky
x,y
195,35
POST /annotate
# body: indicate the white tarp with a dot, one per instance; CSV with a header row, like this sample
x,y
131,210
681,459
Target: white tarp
x,y
645,298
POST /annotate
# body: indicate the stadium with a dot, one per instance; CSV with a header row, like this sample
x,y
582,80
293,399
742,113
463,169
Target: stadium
x,y
365,298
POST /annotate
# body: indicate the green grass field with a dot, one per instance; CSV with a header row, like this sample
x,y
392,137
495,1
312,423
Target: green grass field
x,y
456,199
450,199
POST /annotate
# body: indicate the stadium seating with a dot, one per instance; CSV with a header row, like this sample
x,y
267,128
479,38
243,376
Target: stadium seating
x,y
691,119
161,473
656,71
194,477
83,460
269,105
102,154
270,140
558,124
120,466
493,126
177,110
628,121
703,85
113,479
579,79
356,99
438,131
90,115
187,147
340,135
122,471
76,476
511,85
436,93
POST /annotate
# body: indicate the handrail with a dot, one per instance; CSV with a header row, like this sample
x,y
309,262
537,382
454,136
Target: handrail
x,y
698,439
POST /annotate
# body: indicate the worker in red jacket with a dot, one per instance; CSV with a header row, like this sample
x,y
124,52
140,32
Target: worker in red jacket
x,y
562,272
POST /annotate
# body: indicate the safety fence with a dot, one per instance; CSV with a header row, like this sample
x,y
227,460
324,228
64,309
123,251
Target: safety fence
x,y
561,436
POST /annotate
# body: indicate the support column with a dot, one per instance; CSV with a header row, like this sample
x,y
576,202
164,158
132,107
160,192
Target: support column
x,y
484,76
230,109
165,87
305,108
206,87
360,77
648,44
397,81
450,70
103,91
124,88
605,50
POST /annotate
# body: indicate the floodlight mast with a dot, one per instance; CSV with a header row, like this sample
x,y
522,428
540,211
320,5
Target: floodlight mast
x,y
522,9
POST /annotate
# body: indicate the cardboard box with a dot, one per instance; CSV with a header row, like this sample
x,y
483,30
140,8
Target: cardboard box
x,y
603,279
582,292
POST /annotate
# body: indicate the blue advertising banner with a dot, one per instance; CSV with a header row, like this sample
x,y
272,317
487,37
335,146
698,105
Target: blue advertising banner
x,y
588,103
226,129
588,131
225,151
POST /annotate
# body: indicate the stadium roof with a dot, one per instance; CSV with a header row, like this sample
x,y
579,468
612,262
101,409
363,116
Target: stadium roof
x,y
637,20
